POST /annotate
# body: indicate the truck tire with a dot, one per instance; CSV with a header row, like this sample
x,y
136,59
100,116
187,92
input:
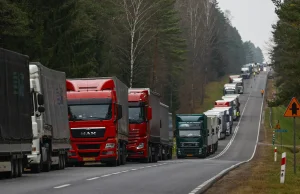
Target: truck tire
x,y
63,161
155,156
123,159
20,167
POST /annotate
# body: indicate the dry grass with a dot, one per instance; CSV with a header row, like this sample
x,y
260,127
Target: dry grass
x,y
213,92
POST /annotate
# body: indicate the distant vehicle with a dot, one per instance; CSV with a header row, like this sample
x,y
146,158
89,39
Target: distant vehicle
x,y
223,123
229,117
231,77
230,89
240,84
192,135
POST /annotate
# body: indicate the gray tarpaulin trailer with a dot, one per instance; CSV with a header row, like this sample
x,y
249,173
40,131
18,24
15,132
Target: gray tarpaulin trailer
x,y
15,113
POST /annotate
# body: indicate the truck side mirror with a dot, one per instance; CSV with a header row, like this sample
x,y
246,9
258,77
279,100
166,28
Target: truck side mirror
x,y
41,109
119,109
40,99
149,113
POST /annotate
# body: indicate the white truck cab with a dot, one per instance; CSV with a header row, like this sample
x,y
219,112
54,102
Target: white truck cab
x,y
228,118
240,84
221,122
230,88
213,122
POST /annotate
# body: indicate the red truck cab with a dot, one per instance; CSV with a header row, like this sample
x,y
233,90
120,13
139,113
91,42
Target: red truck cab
x,y
144,135
98,120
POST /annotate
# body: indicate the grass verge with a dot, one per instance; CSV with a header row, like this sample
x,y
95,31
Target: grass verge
x,y
213,92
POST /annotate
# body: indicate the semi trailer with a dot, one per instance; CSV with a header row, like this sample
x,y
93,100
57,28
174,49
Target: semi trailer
x,y
15,113
50,126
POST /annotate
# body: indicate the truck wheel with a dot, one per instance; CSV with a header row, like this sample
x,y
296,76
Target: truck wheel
x,y
15,168
155,156
59,162
20,167
124,155
63,161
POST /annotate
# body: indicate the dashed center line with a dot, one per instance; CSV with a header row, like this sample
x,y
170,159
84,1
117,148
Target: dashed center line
x,y
115,173
62,186
94,178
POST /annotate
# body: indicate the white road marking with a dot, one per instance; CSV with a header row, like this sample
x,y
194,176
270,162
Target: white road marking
x,y
115,173
62,186
106,175
94,178
205,184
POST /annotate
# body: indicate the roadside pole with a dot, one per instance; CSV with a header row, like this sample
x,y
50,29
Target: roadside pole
x,y
275,154
294,145
283,162
293,111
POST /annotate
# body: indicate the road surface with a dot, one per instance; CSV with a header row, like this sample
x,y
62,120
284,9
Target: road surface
x,y
172,176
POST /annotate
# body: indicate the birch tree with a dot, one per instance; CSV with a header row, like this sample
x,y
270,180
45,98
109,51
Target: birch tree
x,y
139,31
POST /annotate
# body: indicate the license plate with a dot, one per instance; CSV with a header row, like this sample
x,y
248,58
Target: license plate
x,y
189,154
88,159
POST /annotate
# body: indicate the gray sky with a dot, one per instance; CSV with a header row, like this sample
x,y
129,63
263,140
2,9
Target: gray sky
x,y
253,19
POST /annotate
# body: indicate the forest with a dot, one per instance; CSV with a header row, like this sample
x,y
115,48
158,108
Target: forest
x,y
175,47
286,49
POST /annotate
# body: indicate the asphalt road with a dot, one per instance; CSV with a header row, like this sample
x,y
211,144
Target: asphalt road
x,y
172,176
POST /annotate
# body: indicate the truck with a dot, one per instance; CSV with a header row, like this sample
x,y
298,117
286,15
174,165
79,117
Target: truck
x,y
213,126
231,77
240,84
228,115
98,119
144,125
166,149
16,111
235,100
228,102
191,135
171,135
246,72
223,122
230,89
51,137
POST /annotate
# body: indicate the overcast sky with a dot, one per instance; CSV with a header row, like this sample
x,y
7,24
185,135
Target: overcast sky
x,y
253,19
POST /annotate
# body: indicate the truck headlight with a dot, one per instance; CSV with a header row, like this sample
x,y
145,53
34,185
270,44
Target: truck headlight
x,y
200,151
110,145
140,146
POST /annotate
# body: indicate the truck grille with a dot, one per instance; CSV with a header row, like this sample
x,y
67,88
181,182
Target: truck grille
x,y
189,144
190,151
88,146
88,132
88,154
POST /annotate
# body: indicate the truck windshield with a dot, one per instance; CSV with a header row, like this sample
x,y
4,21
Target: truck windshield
x,y
136,114
90,112
229,92
189,133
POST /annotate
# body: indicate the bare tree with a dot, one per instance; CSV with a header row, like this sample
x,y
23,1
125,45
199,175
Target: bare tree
x,y
137,16
199,19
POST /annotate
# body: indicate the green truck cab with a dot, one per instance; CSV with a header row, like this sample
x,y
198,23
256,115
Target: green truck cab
x,y
191,135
